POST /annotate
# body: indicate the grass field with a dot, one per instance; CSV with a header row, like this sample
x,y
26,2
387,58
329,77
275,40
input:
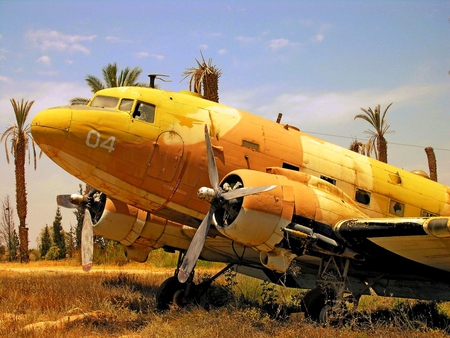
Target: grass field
x,y
56,299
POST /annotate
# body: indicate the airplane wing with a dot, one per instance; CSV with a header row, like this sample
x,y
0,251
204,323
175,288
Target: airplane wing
x,y
422,240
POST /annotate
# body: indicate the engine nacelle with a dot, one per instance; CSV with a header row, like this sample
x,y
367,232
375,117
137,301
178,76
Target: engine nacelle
x,y
258,220
138,230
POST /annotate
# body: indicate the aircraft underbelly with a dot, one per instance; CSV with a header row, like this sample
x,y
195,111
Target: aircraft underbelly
x,y
428,250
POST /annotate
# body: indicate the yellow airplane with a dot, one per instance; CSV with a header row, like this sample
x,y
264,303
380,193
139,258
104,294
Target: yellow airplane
x,y
290,208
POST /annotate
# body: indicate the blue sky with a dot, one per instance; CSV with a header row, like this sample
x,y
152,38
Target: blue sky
x,y
317,62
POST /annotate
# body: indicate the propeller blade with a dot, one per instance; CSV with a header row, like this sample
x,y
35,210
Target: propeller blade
x,y
195,248
71,201
65,201
212,167
241,192
87,242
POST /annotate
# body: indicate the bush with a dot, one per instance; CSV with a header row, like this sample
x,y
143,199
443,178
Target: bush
x,y
52,253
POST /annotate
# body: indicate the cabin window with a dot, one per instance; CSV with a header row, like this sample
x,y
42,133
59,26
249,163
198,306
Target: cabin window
x,y
328,179
396,208
105,101
145,112
362,196
251,145
426,213
290,166
126,104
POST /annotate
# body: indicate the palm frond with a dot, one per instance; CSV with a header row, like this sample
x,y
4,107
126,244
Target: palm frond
x,y
110,75
20,131
79,101
95,83
206,77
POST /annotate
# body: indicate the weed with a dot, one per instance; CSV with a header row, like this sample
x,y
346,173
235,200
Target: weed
x,y
122,303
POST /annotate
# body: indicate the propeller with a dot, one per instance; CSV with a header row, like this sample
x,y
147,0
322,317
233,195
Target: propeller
x,y
87,242
87,235
218,198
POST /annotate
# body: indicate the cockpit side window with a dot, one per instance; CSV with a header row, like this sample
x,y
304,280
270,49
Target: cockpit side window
x,y
126,104
145,112
105,102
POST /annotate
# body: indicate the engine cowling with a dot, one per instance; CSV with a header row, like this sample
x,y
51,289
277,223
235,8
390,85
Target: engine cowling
x,y
138,230
256,220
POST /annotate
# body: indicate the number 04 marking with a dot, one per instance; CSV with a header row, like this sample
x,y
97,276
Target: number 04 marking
x,y
93,139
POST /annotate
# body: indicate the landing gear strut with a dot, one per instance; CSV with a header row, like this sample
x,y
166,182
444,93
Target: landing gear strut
x,y
173,293
330,301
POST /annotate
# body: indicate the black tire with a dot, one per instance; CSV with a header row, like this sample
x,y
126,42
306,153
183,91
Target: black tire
x,y
166,292
315,300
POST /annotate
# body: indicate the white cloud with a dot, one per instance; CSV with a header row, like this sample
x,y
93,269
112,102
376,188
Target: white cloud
x,y
319,38
48,73
222,51
247,39
45,39
115,39
79,48
203,46
330,108
142,55
46,93
276,44
3,78
44,60
158,57
3,51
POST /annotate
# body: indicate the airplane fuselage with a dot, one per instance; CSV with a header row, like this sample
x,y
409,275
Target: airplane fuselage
x,y
159,164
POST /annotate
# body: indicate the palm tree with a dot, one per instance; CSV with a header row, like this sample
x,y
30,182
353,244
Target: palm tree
x,y
432,164
205,77
126,77
20,137
359,147
378,122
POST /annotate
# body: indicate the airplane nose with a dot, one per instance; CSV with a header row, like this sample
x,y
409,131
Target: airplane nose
x,y
50,128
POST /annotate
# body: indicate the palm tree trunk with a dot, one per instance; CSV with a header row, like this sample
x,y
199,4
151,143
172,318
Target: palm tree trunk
x,y
211,87
432,164
382,149
21,198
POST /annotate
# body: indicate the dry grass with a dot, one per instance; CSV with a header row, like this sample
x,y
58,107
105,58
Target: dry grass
x,y
109,303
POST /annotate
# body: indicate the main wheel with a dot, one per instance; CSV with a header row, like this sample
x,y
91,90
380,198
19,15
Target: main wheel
x,y
317,303
171,289
179,298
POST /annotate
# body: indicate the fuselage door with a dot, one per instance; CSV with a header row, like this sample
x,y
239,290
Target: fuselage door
x,y
167,155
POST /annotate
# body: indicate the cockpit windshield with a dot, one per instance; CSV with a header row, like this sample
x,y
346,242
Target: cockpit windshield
x,y
112,102
126,104
105,102
142,111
